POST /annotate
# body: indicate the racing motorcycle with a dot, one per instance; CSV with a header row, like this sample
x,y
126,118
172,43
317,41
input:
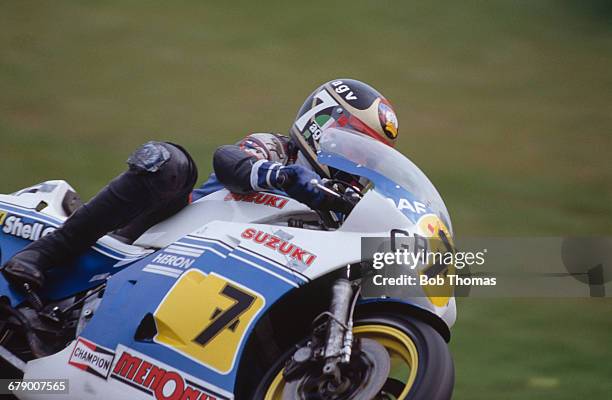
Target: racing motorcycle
x,y
250,296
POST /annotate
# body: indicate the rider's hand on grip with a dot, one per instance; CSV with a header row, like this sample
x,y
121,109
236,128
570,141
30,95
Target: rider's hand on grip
x,y
295,180
306,187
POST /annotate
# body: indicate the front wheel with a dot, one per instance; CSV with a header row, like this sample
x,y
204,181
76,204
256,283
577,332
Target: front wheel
x,y
421,366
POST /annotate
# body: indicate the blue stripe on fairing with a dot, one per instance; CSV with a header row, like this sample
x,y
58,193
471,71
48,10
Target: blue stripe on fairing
x,y
55,222
20,209
250,255
200,240
131,294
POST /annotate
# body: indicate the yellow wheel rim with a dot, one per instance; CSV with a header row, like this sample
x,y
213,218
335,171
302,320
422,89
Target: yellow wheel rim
x,y
275,391
401,349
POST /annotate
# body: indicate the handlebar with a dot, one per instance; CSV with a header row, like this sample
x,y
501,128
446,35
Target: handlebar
x,y
336,197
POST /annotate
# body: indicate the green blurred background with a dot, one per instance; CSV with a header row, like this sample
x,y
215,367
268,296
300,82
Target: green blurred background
x,y
507,106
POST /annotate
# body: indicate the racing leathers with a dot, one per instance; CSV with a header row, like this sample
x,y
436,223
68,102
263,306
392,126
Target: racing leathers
x,y
157,184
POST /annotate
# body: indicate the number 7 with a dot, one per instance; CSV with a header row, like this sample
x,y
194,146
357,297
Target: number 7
x,y
327,101
227,317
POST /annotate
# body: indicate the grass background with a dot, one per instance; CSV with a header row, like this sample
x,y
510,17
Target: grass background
x,y
506,105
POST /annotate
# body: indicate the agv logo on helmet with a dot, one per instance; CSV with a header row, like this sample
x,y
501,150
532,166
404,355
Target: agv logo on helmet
x,y
344,90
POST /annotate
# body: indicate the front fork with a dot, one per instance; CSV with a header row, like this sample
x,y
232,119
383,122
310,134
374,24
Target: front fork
x,y
339,338
333,364
331,343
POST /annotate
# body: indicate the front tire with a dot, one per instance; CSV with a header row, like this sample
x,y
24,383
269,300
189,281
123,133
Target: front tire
x,y
421,364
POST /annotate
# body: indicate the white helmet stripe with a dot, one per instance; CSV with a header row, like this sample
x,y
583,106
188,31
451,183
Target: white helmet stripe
x,y
327,101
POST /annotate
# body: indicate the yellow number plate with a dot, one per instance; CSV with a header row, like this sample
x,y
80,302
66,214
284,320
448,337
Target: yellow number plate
x,y
205,317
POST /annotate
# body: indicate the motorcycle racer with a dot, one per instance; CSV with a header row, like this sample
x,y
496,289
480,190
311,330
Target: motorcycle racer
x,y
160,177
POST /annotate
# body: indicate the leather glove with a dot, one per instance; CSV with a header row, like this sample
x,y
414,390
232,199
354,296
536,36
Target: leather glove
x,y
295,180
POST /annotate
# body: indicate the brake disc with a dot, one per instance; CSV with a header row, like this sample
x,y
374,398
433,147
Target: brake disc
x,y
364,379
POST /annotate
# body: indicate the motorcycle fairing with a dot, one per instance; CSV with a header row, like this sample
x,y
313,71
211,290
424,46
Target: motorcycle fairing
x,y
146,293
140,302
106,257
220,205
228,253
408,212
121,379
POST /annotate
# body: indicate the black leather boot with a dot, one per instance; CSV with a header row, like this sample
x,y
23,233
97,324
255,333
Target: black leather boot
x,y
158,183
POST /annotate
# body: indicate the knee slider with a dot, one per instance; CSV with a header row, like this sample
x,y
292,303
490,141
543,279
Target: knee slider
x,y
149,157
170,165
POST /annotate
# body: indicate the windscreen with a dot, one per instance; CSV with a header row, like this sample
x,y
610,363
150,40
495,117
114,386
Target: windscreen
x,y
382,165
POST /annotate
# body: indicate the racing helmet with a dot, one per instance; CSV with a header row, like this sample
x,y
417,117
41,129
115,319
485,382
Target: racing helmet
x,y
343,103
